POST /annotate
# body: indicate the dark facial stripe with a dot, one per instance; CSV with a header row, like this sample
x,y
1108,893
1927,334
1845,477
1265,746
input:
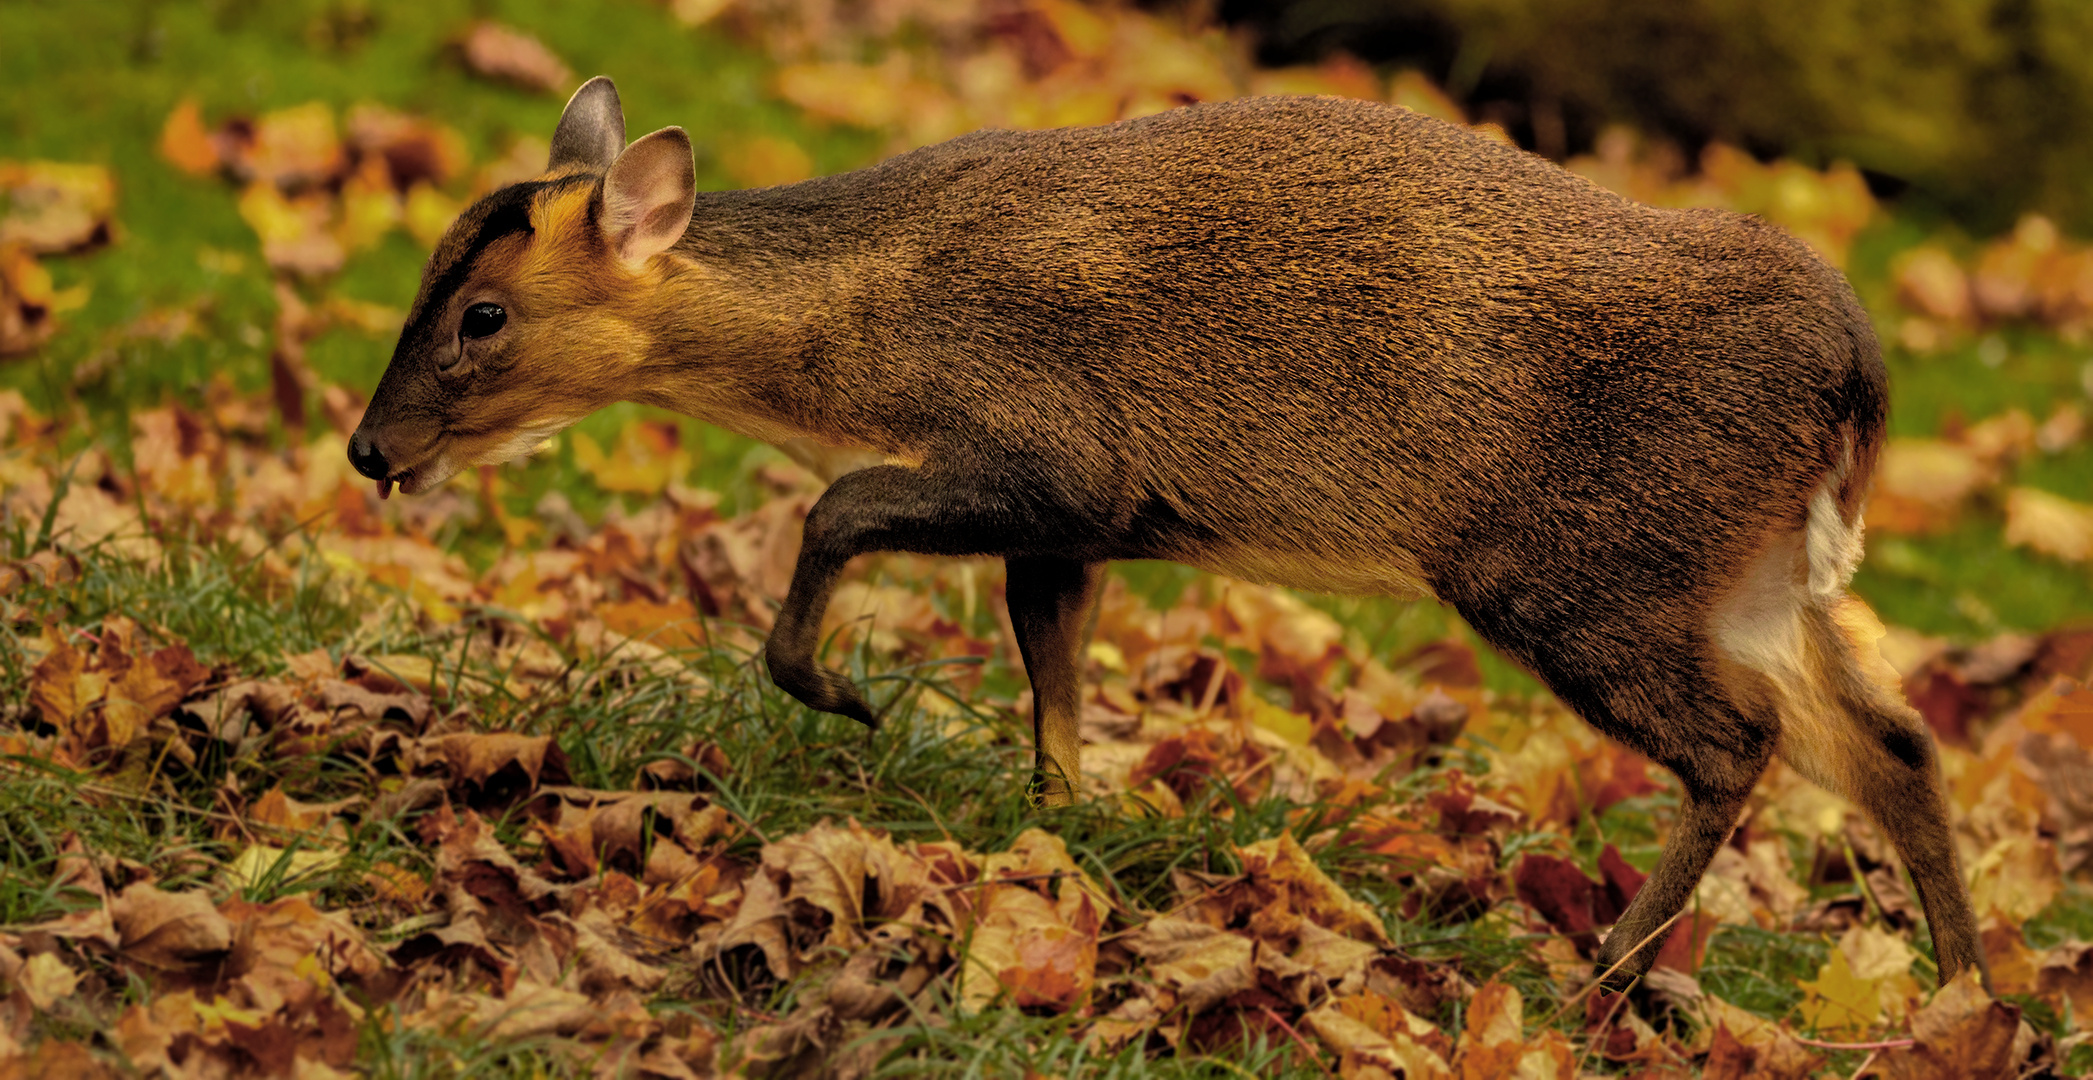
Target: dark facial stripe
x,y
503,213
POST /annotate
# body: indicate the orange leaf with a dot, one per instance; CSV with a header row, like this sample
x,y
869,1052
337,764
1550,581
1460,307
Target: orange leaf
x,y
185,143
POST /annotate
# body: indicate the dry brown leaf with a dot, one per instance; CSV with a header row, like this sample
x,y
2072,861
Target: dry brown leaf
x,y
46,979
147,689
61,686
1358,1044
58,1058
169,930
1200,964
1961,1033
2051,524
28,304
2014,879
633,832
297,234
1036,937
412,149
1922,484
1282,873
512,56
1765,1049
498,759
292,148
602,967
2066,971
1494,1043
2011,962
1931,282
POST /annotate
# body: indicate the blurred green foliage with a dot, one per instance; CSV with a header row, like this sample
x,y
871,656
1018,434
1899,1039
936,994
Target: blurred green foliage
x,y
1984,107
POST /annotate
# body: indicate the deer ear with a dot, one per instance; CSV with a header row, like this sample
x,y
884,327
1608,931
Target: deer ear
x,y
592,130
648,195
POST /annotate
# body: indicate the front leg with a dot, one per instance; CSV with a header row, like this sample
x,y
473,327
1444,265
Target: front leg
x,y
1050,600
890,508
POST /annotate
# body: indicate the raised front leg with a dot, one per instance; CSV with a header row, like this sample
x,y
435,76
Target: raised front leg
x,y
890,508
1050,599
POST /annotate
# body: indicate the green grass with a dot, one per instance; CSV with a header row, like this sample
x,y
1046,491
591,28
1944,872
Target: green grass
x,y
94,82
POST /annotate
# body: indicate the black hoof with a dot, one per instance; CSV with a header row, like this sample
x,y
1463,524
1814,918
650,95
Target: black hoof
x,y
820,689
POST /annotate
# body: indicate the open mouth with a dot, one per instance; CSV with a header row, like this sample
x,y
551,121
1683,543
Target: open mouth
x,y
404,478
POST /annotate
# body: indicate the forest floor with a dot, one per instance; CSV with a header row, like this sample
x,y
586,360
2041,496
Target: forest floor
x,y
296,781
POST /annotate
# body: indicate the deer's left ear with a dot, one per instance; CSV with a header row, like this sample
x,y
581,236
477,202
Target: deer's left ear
x,y
592,129
648,196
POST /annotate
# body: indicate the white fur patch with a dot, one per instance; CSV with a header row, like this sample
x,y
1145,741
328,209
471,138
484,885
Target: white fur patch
x,y
1835,545
1760,627
519,443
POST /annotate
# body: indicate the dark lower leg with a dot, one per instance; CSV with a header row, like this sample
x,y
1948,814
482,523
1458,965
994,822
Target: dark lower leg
x,y
1050,600
1705,821
1902,793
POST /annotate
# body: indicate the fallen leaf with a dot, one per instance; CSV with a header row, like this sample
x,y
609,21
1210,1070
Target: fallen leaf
x,y
510,55
1035,937
297,234
499,760
2050,524
185,142
1922,484
1764,1049
1840,1002
54,206
1931,282
47,980
2014,879
258,863
28,303
292,149
1962,1032
1200,964
169,930
1391,1047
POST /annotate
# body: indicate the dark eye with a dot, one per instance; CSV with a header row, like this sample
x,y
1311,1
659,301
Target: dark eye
x,y
482,320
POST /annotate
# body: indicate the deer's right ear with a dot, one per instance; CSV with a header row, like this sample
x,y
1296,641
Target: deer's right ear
x,y
592,130
648,196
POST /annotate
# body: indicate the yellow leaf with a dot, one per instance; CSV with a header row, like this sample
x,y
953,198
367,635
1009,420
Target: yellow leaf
x,y
428,213
1291,726
2015,879
295,233
1839,1000
647,456
765,161
260,861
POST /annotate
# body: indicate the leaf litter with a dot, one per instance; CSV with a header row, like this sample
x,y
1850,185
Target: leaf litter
x,y
512,903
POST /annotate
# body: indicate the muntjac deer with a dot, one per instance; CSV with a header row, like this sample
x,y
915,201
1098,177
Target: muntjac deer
x,y
1319,343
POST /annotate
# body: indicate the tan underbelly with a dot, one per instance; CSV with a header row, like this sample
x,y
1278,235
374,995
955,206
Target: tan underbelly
x,y
1393,572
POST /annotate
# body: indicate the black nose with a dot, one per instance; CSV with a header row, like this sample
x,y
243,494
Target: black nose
x,y
364,455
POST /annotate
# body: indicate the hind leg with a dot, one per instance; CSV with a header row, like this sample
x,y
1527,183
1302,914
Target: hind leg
x,y
1884,760
1717,780
1900,790
1637,682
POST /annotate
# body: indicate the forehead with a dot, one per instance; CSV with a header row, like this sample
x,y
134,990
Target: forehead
x,y
501,214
